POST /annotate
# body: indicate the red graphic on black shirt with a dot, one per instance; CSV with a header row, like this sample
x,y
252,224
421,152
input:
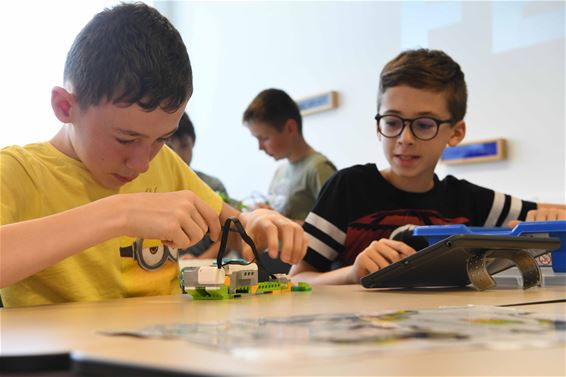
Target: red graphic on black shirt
x,y
363,231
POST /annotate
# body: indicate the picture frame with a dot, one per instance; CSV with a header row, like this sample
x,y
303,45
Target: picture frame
x,y
476,151
318,103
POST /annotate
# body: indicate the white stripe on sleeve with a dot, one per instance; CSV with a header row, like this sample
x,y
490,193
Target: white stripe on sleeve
x,y
496,208
514,210
322,248
326,227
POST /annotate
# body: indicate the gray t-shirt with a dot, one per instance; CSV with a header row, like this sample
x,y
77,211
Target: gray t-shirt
x,y
214,183
295,186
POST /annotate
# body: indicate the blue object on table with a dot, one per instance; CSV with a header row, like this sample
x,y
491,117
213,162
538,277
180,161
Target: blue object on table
x,y
436,233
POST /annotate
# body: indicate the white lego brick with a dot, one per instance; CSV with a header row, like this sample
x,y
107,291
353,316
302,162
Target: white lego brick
x,y
211,275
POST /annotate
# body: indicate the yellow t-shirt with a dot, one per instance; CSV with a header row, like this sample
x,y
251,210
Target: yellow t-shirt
x,y
38,180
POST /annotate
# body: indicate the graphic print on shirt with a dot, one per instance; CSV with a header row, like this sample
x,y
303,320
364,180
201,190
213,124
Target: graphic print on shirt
x,y
361,232
150,255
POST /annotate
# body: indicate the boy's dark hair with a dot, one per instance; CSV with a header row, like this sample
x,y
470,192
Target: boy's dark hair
x,y
130,54
274,107
185,128
427,69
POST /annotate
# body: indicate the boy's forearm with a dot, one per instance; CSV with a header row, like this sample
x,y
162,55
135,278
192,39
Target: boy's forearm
x,y
340,276
30,246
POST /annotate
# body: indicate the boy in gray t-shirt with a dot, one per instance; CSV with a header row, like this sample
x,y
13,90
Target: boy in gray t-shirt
x,y
295,185
275,120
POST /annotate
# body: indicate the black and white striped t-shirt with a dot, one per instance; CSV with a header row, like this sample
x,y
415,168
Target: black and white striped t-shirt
x,y
357,206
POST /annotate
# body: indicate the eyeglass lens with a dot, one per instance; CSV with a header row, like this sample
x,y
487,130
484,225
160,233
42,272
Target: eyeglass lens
x,y
392,126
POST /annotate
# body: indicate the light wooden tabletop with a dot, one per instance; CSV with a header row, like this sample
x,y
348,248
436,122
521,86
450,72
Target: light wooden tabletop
x,y
75,327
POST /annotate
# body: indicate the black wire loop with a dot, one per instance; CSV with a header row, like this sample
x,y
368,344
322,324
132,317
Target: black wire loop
x,y
226,229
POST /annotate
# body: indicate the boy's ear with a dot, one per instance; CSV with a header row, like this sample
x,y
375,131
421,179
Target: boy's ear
x,y
291,126
458,133
62,103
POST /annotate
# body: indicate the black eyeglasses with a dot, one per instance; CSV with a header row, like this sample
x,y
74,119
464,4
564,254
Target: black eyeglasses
x,y
424,128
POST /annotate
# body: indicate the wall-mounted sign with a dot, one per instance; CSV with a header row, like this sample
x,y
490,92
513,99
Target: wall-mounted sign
x,y
318,103
477,151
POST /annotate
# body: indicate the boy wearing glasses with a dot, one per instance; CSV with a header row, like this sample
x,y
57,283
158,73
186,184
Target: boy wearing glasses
x,y
99,211
355,227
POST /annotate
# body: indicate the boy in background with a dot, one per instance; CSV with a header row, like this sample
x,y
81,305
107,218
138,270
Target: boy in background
x,y
421,107
274,119
99,211
183,142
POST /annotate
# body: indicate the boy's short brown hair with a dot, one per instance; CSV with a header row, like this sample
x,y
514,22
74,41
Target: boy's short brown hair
x,y
130,54
274,107
427,69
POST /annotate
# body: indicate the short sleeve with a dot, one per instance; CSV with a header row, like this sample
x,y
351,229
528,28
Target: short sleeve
x,y
325,226
18,191
322,172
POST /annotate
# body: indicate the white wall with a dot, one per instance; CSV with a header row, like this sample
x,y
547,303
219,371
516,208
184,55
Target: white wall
x,y
511,52
35,36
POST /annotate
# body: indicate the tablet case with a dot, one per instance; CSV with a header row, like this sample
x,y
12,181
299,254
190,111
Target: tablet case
x,y
464,259
556,228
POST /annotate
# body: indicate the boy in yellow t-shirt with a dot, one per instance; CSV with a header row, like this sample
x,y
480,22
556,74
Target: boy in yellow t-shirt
x,y
80,214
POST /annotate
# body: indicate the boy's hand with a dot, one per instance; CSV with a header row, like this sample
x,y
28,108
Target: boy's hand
x,y
179,219
377,255
263,205
271,230
542,214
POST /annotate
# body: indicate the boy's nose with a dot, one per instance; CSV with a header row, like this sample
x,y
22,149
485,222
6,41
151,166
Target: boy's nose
x,y
138,162
406,136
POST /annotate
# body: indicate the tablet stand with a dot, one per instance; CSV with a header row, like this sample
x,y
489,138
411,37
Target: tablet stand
x,y
481,279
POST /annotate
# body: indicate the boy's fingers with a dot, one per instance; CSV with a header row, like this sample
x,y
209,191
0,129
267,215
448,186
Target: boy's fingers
x,y
286,238
271,236
286,251
390,254
169,244
367,266
210,217
178,239
379,260
199,221
247,252
192,230
401,247
299,246
513,223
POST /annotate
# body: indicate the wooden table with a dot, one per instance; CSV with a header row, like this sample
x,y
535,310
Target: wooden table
x,y
75,327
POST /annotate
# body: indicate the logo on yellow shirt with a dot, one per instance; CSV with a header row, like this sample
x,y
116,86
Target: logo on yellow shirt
x,y
150,255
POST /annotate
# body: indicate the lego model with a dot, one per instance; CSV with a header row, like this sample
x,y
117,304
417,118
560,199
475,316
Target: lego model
x,y
231,281
227,279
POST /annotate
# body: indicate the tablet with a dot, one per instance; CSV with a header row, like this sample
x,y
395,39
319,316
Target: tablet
x,y
445,263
